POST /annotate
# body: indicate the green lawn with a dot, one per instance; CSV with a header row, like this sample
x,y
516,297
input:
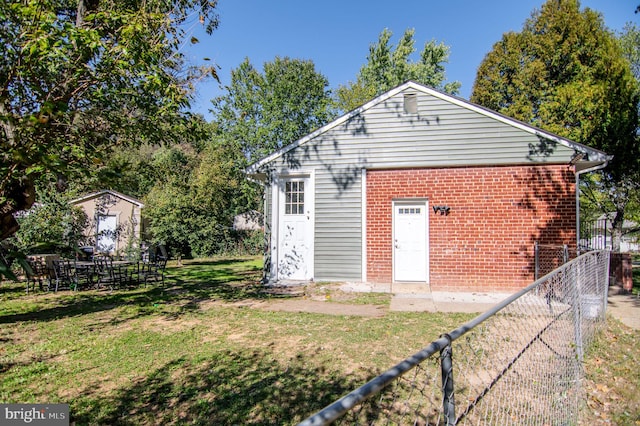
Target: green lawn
x,y
203,351
194,352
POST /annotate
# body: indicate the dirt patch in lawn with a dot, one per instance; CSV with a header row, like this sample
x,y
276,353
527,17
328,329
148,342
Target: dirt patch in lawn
x,y
329,299
325,298
322,307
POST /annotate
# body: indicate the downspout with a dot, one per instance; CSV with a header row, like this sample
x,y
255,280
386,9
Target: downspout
x,y
600,166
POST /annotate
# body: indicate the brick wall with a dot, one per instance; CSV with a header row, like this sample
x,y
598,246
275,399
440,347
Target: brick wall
x,y
486,242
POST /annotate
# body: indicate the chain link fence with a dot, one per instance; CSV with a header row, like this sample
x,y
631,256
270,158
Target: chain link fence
x,y
549,257
518,363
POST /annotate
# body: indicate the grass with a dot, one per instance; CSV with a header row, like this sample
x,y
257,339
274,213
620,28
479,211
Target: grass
x,y
613,377
202,350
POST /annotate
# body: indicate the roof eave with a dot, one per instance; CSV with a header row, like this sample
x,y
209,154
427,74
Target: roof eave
x,y
105,191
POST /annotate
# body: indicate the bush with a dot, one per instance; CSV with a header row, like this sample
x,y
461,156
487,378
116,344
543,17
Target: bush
x,y
51,226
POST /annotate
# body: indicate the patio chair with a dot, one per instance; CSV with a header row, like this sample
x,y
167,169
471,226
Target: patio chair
x,y
84,274
105,272
38,273
126,272
153,271
64,275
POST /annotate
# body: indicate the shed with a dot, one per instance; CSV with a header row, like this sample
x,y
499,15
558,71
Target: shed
x,y
115,221
421,187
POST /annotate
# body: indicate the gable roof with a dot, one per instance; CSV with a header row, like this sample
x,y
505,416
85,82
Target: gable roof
x,y
591,158
104,192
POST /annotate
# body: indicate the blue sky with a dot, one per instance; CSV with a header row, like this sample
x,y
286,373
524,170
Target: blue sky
x,y
336,34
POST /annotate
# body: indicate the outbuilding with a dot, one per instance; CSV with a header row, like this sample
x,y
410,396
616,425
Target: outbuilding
x,y
115,221
421,187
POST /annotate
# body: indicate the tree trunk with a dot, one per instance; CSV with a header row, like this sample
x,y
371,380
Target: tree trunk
x,y
616,231
85,6
20,197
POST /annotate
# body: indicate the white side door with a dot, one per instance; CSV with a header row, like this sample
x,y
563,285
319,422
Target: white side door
x,y
106,241
410,241
295,228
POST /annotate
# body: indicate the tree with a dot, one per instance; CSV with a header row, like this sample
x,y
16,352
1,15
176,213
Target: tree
x,y
387,68
80,77
565,72
167,205
192,205
261,112
131,169
630,43
52,225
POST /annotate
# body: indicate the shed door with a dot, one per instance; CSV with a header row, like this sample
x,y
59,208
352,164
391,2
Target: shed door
x,y
106,241
410,245
295,229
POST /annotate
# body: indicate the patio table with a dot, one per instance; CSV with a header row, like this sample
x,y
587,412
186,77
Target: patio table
x,y
85,273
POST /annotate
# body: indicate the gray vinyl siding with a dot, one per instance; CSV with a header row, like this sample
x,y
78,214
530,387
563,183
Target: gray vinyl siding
x,y
441,134
268,217
338,230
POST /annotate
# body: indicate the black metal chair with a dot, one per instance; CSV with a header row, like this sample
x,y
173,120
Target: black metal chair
x,y
105,272
152,271
64,275
85,274
124,273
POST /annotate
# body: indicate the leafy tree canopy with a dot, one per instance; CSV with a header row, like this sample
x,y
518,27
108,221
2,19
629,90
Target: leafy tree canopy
x,y
263,111
192,204
78,77
388,67
133,170
52,225
567,73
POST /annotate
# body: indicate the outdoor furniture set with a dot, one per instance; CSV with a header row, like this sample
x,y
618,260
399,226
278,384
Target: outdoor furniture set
x,y
99,273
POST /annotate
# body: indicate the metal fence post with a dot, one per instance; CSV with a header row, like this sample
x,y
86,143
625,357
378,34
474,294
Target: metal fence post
x,y
446,369
576,290
536,250
607,265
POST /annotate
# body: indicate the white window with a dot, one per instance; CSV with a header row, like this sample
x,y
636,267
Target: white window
x,y
294,197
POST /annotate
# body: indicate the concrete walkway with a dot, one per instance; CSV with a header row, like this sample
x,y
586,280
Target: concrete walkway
x,y
624,307
442,301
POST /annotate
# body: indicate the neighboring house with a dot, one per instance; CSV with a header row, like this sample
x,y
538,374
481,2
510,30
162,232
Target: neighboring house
x,y
248,221
418,186
115,222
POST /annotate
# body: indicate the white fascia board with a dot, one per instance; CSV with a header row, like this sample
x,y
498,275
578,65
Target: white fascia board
x,y
107,191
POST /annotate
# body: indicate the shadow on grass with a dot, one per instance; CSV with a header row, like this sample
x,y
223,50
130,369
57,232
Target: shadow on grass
x,y
223,389
228,280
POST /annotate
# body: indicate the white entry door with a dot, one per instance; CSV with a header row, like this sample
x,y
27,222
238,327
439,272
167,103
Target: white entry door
x,y
410,241
295,228
106,241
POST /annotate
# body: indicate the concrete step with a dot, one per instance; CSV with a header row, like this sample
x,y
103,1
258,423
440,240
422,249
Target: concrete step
x,y
410,288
